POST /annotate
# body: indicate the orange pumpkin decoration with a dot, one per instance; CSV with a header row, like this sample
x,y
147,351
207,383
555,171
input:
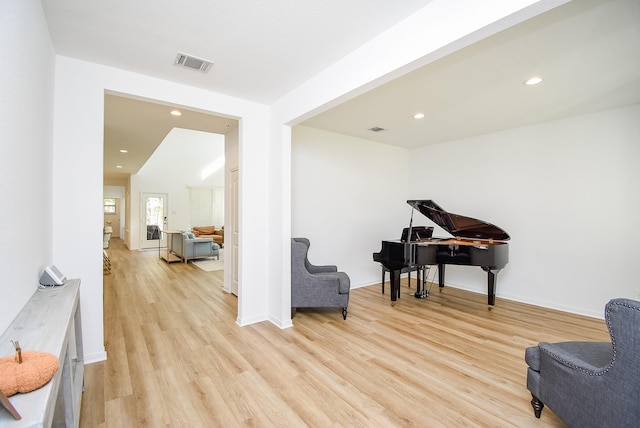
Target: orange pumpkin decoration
x,y
26,371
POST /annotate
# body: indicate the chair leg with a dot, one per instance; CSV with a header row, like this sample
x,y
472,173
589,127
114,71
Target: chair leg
x,y
537,406
106,262
344,313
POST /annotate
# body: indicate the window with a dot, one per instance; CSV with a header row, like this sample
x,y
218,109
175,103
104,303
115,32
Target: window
x,y
109,205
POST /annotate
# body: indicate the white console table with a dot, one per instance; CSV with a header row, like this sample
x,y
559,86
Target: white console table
x,y
168,255
49,322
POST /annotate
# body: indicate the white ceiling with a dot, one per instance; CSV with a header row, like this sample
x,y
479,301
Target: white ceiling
x,y
187,158
140,126
261,49
587,51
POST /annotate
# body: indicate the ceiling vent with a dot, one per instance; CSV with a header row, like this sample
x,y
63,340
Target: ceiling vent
x,y
376,129
188,61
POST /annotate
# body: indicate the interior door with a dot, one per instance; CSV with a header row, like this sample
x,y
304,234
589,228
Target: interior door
x,y
235,232
154,220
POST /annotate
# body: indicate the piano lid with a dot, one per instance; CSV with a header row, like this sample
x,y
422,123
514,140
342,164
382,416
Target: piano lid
x,y
458,225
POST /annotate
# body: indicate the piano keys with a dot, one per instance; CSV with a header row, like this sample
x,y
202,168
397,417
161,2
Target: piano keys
x,y
473,243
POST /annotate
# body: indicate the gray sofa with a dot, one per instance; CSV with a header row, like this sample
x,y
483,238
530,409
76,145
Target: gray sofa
x,y
591,384
191,248
316,286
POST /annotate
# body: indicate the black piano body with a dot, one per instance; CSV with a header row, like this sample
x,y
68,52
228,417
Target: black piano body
x,y
475,243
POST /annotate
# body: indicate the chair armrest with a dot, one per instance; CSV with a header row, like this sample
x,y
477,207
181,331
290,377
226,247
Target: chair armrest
x,y
197,240
321,269
588,357
310,289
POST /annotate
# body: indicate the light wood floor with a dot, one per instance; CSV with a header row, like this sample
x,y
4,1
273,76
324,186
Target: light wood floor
x,y
176,357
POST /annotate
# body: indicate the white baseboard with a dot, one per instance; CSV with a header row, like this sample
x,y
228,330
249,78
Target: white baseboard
x,y
95,358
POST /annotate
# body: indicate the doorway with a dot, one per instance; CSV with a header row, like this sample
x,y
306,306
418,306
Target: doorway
x,y
134,122
154,220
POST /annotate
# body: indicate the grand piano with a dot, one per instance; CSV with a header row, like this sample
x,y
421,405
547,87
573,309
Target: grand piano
x,y
473,243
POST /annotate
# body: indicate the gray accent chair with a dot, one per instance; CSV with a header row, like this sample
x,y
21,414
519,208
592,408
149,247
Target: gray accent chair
x,y
191,248
316,286
591,384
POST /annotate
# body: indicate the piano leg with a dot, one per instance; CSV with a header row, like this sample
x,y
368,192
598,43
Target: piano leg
x,y
394,280
492,277
441,276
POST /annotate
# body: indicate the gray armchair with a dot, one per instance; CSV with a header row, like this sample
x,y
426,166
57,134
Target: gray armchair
x,y
591,384
316,286
190,247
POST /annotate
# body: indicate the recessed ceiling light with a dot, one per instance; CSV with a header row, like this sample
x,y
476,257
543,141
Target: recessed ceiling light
x,y
418,115
176,113
118,166
124,151
533,81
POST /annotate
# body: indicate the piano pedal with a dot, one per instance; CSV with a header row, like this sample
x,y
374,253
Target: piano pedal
x,y
421,294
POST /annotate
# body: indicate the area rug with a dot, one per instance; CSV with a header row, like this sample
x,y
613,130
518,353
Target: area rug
x,y
209,265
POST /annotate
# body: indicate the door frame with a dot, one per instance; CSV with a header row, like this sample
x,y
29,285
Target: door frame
x,y
145,243
234,233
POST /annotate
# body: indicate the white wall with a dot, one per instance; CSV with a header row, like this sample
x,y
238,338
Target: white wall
x,y
26,108
565,191
347,194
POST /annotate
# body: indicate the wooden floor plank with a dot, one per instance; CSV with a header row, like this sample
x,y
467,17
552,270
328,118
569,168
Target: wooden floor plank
x,y
178,358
